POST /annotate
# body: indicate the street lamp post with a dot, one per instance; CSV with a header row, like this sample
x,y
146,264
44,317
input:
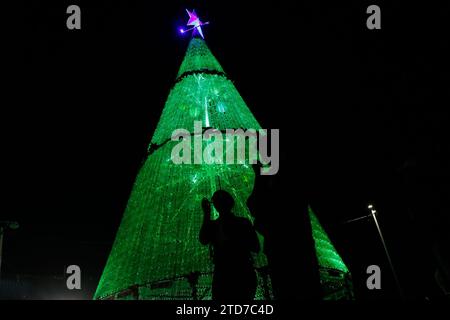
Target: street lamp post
x,y
373,214
397,282
5,225
1,250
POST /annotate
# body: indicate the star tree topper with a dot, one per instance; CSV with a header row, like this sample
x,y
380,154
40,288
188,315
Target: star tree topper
x,y
196,24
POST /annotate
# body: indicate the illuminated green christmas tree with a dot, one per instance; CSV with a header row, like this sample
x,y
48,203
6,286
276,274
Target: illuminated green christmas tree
x,y
334,276
157,253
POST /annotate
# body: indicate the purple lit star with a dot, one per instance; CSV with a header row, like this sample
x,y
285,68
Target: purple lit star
x,y
195,23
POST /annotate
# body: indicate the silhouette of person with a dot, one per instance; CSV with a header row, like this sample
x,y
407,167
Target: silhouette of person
x,y
232,240
271,195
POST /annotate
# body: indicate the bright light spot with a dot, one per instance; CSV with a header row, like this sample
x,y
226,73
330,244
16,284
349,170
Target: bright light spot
x,y
182,30
220,107
206,114
370,206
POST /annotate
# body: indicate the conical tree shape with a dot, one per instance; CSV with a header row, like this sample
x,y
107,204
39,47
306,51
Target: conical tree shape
x,y
335,277
157,248
202,93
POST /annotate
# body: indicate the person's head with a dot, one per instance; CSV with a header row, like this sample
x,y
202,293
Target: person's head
x,y
223,201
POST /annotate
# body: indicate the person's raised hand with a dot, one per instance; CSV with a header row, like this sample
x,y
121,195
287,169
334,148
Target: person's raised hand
x,y
206,206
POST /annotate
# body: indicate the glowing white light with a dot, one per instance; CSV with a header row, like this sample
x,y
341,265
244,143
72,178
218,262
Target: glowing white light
x,y
206,114
221,107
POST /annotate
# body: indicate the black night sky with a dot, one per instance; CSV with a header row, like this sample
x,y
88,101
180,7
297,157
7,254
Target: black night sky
x,y
363,118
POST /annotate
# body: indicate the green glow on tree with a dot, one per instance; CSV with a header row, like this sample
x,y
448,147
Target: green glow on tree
x,y
326,252
199,58
157,249
335,277
200,96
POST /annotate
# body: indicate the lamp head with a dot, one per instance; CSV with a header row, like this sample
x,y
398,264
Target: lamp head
x,y
14,225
